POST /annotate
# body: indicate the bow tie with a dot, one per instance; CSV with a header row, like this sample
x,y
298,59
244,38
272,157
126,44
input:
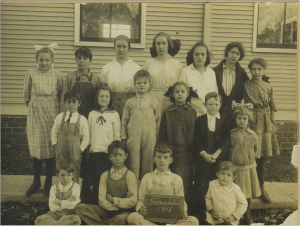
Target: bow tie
x,y
101,119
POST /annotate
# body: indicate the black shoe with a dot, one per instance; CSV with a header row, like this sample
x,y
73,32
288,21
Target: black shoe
x,y
247,218
264,196
33,188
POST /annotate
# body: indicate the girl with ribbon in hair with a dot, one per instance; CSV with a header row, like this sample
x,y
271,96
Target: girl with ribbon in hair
x,y
199,75
105,126
260,94
118,74
177,129
242,152
163,68
42,91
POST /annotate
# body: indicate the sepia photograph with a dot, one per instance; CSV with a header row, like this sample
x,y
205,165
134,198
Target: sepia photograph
x,y
149,112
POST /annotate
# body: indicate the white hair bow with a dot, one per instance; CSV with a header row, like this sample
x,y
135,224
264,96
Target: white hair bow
x,y
51,46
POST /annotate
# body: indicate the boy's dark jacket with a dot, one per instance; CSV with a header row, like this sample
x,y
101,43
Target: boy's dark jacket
x,y
221,139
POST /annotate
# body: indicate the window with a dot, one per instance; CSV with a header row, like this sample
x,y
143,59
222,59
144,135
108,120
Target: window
x,y
97,24
275,27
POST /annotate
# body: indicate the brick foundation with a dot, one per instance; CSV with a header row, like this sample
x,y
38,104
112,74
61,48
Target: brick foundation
x,y
13,132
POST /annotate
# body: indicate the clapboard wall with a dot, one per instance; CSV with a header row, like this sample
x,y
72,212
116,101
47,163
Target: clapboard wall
x,y
24,25
234,22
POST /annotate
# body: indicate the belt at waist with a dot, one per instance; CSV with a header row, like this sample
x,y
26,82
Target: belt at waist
x,y
246,167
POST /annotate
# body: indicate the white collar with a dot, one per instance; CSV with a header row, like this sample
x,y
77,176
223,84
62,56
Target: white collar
x,y
229,187
65,187
142,96
121,171
128,61
168,172
73,114
216,115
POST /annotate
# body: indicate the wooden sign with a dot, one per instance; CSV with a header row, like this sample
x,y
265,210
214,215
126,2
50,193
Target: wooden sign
x,y
163,208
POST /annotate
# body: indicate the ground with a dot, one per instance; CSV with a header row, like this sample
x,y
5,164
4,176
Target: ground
x,y
17,161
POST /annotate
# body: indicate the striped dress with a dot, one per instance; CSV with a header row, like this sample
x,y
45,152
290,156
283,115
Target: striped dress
x,y
43,90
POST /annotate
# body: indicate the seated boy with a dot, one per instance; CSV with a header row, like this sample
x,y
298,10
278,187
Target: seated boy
x,y
64,197
163,182
225,202
210,147
117,192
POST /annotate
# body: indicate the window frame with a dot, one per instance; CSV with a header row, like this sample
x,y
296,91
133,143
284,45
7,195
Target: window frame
x,y
77,41
261,49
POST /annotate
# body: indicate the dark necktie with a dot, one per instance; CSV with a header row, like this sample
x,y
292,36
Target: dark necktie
x,y
69,117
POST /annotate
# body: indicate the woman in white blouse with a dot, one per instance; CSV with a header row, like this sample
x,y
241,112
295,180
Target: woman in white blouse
x,y
118,74
199,76
164,70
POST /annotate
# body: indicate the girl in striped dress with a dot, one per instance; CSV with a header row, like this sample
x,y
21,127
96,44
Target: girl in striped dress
x,y
42,92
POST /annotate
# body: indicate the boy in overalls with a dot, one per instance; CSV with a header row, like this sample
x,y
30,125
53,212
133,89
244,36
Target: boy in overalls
x,y
86,83
162,182
70,133
139,126
117,192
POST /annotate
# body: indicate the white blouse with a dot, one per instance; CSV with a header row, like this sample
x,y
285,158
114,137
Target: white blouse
x,y
204,84
104,128
120,77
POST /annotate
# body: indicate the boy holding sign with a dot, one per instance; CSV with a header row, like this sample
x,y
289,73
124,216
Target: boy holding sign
x,y
117,192
160,182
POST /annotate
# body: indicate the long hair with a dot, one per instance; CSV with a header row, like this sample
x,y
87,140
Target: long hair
x,y
190,55
103,86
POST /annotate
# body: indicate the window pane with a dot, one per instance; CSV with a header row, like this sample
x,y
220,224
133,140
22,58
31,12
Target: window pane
x,y
95,20
125,20
270,23
290,31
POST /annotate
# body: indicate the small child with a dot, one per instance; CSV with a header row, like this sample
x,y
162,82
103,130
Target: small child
x,y
104,125
43,87
225,202
70,133
117,192
210,146
139,126
64,197
162,182
177,129
242,152
260,94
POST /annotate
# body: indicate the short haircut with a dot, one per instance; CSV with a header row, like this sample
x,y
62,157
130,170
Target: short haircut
x,y
259,61
115,145
163,148
172,99
170,43
239,46
213,95
66,164
72,95
142,74
44,50
84,51
122,37
242,111
208,53
110,104
227,165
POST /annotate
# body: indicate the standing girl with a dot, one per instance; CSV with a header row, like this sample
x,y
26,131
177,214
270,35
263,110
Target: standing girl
x,y
164,70
199,75
42,92
260,94
104,125
177,129
242,153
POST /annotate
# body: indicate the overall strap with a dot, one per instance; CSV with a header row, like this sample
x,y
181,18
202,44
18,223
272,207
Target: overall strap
x,y
70,189
152,104
62,121
77,126
90,78
57,190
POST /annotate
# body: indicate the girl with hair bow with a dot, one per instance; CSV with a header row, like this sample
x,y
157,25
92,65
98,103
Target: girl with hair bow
x,y
42,91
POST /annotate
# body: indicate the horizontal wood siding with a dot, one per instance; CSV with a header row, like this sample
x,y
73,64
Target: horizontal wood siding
x,y
234,22
25,25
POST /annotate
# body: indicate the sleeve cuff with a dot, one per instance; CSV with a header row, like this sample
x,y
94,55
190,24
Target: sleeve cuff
x,y
236,217
116,201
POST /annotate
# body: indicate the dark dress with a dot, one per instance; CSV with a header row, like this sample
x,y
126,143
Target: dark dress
x,y
177,129
235,94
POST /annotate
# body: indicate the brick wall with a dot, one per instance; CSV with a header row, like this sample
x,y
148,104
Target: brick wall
x,y
13,132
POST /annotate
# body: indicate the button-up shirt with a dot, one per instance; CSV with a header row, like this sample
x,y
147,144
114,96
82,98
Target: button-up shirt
x,y
226,200
124,203
211,121
228,79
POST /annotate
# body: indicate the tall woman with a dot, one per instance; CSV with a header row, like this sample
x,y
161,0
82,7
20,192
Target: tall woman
x,y
164,70
230,80
199,75
118,74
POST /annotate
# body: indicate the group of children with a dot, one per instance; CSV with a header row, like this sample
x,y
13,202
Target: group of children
x,y
193,157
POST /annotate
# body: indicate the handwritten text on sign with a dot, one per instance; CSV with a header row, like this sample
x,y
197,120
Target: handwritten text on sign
x,y
163,208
